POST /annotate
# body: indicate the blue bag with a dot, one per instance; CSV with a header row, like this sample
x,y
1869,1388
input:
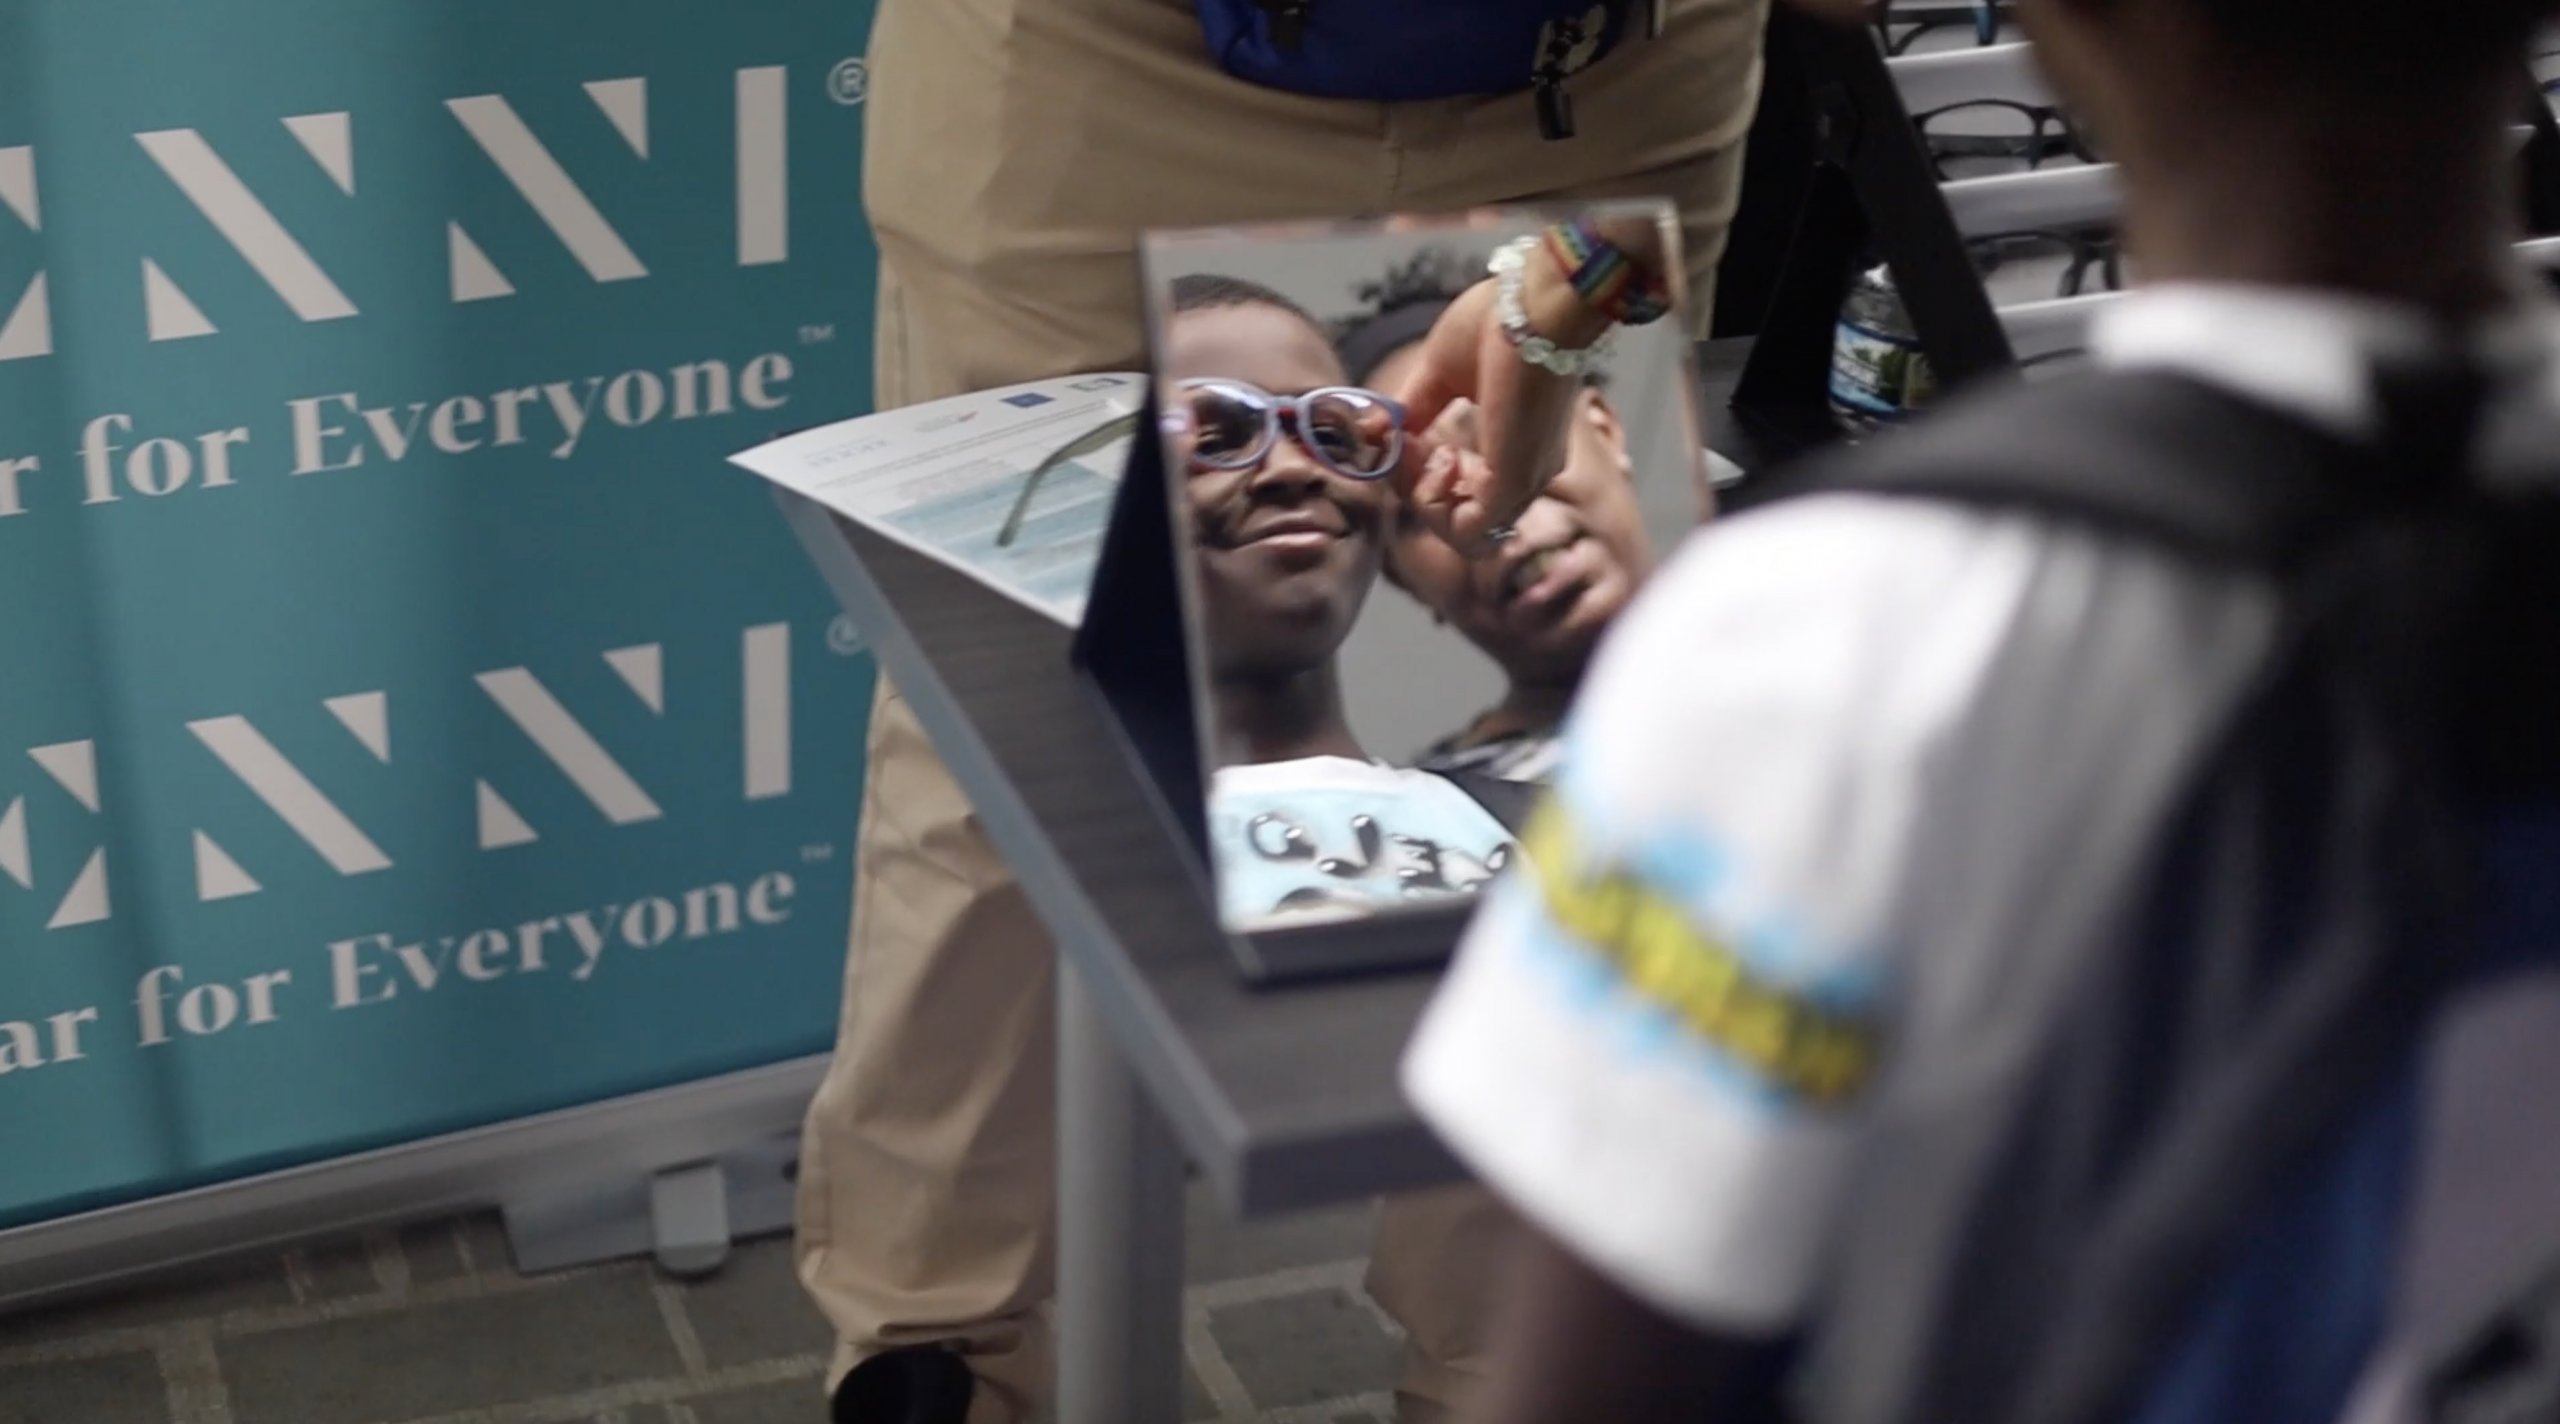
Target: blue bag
x,y
1388,51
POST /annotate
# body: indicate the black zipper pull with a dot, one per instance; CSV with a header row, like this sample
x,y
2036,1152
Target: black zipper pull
x,y
1555,108
1288,22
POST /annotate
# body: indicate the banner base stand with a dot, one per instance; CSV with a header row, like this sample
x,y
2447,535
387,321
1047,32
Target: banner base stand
x,y
684,1216
542,1159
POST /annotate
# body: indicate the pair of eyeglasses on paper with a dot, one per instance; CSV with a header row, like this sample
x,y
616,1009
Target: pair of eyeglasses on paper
x,y
1990,137
2074,255
1900,26
1100,438
1354,433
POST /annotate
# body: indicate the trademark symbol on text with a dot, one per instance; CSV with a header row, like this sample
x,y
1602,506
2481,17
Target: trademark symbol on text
x,y
816,854
849,83
817,335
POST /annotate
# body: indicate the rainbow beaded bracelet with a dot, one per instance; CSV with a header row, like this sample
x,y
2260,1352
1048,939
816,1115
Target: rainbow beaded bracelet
x,y
1616,285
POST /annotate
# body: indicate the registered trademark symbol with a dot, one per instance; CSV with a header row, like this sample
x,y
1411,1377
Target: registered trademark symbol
x,y
849,83
816,854
843,639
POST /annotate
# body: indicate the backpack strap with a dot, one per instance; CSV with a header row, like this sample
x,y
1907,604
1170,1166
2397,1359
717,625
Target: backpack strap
x,y
1509,802
2162,458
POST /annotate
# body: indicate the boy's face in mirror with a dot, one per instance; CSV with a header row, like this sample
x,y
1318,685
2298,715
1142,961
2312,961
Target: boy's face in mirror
x,y
1539,606
1287,549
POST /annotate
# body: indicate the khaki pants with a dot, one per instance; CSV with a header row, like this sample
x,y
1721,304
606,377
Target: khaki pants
x,y
1016,148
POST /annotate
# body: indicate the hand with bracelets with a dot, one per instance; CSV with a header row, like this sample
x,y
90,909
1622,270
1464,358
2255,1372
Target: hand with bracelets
x,y
1517,345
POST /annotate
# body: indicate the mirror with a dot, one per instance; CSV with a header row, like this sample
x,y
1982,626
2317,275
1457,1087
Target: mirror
x,y
1375,707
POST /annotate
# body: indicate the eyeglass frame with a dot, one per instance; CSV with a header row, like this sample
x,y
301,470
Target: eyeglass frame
x,y
2101,248
1988,17
1278,410
1100,437
2054,358
2035,150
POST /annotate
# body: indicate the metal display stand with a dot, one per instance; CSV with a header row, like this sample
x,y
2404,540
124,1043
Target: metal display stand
x,y
1283,1099
1120,1246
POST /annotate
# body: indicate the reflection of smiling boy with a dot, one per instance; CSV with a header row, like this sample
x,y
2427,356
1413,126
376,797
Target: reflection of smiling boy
x,y
1289,520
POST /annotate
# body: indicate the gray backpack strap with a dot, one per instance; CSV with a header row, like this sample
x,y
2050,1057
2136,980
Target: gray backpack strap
x,y
2150,456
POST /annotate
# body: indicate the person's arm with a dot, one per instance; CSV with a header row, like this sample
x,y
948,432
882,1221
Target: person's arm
x,y
1573,1346
1527,408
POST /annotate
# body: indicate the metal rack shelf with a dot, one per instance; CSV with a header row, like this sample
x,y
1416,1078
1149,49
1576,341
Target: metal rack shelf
x,y
2084,196
1967,76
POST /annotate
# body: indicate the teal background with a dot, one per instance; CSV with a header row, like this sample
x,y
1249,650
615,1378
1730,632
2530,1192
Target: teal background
x,y
124,622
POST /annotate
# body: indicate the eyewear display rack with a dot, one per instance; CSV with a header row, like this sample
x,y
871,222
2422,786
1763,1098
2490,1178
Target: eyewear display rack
x,y
1841,145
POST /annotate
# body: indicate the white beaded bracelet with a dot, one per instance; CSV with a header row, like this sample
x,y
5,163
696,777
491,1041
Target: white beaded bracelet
x,y
1510,266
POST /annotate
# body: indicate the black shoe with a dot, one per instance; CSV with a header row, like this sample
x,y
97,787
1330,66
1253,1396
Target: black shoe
x,y
926,1385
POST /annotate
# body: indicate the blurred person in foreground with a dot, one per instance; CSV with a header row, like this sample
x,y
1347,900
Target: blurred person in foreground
x,y
1754,801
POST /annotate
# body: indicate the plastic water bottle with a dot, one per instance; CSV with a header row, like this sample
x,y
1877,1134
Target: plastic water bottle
x,y
1879,375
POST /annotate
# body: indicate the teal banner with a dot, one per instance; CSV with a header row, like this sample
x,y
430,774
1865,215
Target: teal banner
x,y
407,721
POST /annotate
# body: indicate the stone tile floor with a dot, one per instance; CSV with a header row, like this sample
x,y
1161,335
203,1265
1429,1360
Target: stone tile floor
x,y
432,1325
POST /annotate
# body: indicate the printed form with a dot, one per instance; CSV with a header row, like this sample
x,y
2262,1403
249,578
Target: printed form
x,y
1012,487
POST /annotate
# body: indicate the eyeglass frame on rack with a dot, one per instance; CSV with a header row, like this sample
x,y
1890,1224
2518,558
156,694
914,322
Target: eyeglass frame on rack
x,y
2097,247
2056,135
1988,17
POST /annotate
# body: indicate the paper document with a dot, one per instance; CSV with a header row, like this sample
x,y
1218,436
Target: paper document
x,y
1012,487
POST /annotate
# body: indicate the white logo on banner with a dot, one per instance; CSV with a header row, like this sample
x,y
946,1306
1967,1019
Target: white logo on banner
x,y
290,269
849,83
300,803
26,329
73,766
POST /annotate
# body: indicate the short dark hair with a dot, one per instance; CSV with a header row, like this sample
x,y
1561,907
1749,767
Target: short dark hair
x,y
1398,308
1208,291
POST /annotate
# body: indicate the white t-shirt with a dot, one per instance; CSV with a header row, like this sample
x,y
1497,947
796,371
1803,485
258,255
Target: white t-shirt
x,y
1328,838
1658,1041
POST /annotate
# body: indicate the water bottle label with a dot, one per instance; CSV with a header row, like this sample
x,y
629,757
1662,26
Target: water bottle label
x,y
1881,376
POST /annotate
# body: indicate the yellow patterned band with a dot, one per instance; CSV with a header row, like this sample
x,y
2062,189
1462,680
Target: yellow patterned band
x,y
1797,1047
